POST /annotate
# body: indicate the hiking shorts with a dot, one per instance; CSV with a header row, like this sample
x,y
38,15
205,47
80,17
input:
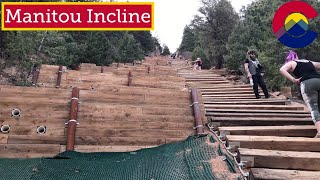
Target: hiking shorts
x,y
310,90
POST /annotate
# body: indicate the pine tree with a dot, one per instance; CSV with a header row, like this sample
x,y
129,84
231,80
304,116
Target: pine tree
x,y
165,51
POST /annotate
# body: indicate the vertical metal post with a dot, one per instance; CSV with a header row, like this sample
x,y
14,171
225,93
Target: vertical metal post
x,y
72,123
129,78
59,77
197,112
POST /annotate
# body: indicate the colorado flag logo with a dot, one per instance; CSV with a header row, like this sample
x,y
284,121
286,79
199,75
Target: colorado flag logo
x,y
291,25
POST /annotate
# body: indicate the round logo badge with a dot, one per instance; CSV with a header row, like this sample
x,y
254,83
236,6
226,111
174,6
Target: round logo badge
x,y
291,26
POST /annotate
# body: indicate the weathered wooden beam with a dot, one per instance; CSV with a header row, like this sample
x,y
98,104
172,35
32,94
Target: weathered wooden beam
x,y
255,111
255,107
36,139
259,115
28,150
3,138
279,174
229,121
280,159
95,148
274,143
128,132
290,131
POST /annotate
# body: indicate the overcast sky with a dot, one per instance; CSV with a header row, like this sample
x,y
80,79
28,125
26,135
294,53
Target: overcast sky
x,y
171,16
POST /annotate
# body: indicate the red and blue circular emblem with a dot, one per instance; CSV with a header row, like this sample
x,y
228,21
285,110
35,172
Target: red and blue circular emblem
x,y
291,26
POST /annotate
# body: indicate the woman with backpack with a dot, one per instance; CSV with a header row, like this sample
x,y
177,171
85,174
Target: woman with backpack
x,y
306,75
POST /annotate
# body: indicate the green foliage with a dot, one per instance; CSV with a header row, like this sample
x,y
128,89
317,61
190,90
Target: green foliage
x,y
146,40
20,45
199,52
188,40
130,49
213,27
157,44
165,51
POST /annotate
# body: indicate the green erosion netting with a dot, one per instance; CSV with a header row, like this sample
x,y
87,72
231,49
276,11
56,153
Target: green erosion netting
x,y
189,159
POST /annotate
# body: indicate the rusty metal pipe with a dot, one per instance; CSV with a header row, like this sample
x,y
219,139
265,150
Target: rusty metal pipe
x,y
129,78
197,112
59,77
72,123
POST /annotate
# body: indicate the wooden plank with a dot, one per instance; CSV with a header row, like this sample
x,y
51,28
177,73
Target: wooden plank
x,y
274,143
255,107
227,89
259,115
3,138
222,86
290,131
87,131
57,130
33,90
279,174
280,159
140,90
259,122
131,109
255,111
36,139
204,93
260,119
230,96
137,125
28,150
22,100
119,141
91,148
130,118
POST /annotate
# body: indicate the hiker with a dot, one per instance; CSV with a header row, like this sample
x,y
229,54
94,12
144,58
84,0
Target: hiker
x,y
306,75
197,64
254,72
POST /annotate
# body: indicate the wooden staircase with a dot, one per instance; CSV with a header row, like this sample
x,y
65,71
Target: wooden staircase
x,y
270,138
120,109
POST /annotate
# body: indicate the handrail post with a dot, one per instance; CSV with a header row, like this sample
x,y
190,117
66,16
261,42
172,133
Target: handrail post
x,y
72,123
59,77
197,112
129,78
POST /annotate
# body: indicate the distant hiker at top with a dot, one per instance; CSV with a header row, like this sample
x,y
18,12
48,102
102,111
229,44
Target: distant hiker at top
x,y
254,72
306,75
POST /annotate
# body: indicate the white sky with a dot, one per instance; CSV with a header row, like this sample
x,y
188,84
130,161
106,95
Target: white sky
x,y
171,16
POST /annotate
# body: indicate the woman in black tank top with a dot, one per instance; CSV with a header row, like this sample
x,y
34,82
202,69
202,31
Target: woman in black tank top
x,y
306,75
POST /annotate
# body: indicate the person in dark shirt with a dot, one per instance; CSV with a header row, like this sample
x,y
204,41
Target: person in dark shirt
x,y
254,72
306,75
